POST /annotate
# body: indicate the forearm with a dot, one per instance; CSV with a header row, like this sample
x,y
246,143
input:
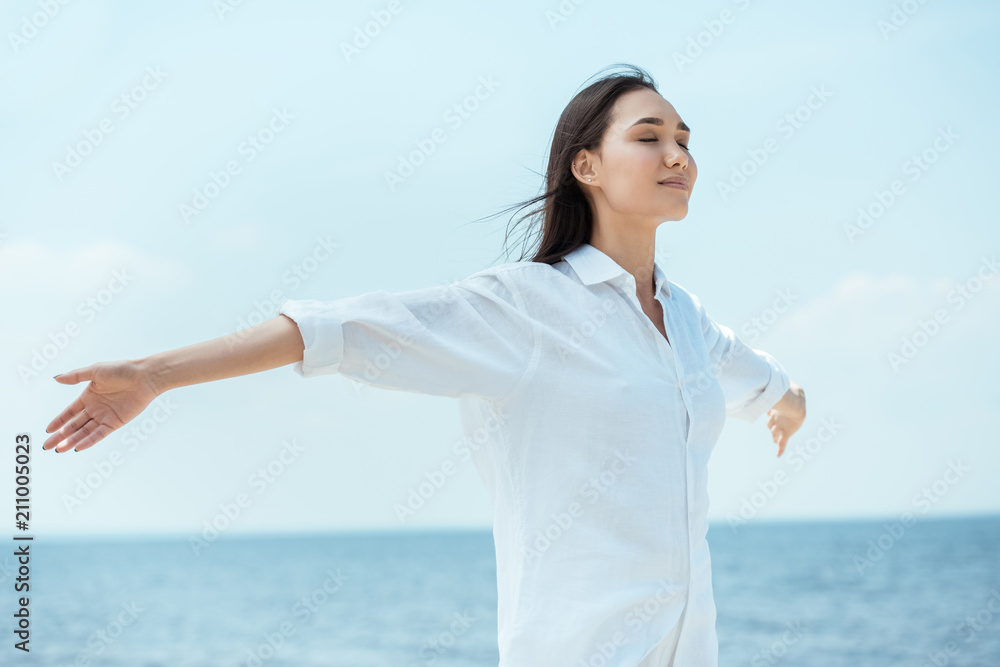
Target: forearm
x,y
270,344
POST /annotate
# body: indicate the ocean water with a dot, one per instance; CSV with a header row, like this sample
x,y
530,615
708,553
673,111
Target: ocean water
x,y
804,594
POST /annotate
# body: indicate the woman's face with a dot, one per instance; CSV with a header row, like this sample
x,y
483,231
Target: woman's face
x,y
645,144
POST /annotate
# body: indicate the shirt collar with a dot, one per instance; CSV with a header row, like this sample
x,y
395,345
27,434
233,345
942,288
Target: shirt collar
x,y
594,266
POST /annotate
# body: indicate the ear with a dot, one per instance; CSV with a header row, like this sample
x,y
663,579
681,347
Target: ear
x,y
583,167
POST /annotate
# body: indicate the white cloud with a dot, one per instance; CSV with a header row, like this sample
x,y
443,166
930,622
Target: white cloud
x,y
864,310
29,268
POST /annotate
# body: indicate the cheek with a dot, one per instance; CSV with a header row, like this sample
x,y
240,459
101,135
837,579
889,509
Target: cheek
x,y
633,173
649,162
638,169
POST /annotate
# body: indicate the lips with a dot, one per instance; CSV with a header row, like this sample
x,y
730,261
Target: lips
x,y
676,182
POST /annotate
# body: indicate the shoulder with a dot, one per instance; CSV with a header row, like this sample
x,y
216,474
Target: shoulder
x,y
515,275
522,285
688,303
683,296
514,270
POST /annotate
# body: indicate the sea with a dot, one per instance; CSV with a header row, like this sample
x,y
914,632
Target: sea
x,y
804,594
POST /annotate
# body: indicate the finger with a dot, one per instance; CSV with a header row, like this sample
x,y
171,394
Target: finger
x,y
75,422
779,440
81,433
99,434
78,375
64,416
772,418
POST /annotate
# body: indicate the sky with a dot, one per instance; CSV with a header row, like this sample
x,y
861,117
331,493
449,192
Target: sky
x,y
171,171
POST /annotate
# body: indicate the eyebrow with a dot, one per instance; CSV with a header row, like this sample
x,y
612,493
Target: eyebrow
x,y
651,120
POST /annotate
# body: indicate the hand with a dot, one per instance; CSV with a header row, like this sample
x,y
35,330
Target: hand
x,y
118,391
787,415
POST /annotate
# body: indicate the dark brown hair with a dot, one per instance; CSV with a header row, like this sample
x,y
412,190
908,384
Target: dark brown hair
x,y
566,215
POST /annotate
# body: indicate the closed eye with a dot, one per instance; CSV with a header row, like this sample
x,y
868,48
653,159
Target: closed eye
x,y
678,143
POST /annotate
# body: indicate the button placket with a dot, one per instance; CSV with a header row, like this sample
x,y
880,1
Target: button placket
x,y
668,315
670,354
665,349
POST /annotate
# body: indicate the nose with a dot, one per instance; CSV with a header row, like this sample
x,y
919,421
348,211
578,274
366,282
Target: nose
x,y
676,156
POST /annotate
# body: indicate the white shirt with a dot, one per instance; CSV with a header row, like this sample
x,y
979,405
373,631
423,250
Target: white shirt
x,y
593,439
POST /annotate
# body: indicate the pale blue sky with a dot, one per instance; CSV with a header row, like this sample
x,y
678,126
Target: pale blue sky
x,y
346,122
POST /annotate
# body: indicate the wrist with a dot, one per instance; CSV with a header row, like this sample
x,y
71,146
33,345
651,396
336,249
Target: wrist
x,y
154,372
796,401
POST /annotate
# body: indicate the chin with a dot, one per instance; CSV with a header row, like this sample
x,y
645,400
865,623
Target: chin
x,y
674,213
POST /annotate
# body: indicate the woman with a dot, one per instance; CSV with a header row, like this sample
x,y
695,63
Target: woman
x,y
591,390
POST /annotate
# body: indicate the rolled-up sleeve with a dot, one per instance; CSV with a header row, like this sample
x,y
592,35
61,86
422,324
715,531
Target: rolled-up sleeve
x,y
467,338
752,380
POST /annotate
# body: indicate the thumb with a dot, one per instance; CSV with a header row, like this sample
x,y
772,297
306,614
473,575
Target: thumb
x,y
74,376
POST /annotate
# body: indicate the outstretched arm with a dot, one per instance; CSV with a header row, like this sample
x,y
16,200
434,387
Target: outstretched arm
x,y
753,382
121,390
276,342
466,338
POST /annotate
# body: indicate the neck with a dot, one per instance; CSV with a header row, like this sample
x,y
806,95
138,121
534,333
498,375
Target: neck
x,y
632,249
